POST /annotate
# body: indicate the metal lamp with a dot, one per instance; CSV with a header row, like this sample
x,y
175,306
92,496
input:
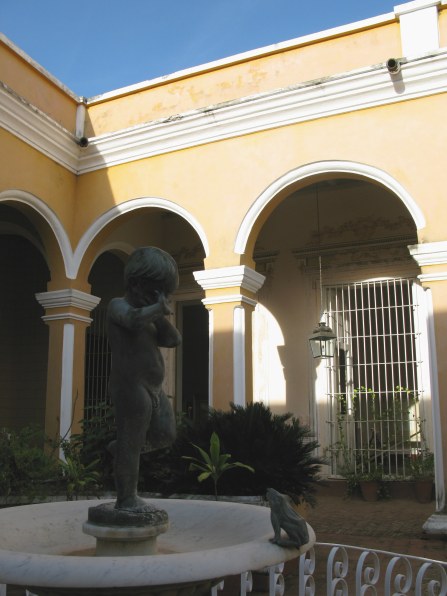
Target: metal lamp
x,y
322,341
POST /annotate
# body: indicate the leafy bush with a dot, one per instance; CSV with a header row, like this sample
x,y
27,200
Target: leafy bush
x,y
30,466
279,449
26,468
98,430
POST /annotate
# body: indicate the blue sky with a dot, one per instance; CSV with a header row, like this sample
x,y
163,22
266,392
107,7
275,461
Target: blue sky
x,y
100,45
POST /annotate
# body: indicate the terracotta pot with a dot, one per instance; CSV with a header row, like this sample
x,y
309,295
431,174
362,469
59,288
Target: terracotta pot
x,y
369,490
423,489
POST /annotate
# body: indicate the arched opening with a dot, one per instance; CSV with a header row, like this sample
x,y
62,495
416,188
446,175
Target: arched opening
x,y
352,236
186,379
23,334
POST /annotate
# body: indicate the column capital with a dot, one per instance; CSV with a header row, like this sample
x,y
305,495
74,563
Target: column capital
x,y
239,276
432,256
67,304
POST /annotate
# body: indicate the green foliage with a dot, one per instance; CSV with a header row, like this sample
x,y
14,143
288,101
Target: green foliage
x,y
30,466
422,465
26,469
279,449
214,463
371,428
98,430
77,478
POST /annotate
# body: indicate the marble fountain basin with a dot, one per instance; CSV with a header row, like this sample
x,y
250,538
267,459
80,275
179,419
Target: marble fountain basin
x,y
45,549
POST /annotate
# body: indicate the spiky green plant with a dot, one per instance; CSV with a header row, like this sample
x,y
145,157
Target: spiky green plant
x,y
213,464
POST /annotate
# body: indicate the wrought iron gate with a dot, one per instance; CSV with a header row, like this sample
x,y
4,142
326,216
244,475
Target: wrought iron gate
x,y
376,411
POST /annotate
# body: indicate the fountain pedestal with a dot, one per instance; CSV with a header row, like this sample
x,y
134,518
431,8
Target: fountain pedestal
x,y
124,533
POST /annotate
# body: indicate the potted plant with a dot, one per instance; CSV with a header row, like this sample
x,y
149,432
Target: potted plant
x,y
370,483
422,471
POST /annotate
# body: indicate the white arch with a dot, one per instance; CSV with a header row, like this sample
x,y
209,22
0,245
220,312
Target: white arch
x,y
131,205
318,168
21,196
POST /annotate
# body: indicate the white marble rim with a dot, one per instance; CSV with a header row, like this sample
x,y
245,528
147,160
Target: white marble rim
x,y
49,570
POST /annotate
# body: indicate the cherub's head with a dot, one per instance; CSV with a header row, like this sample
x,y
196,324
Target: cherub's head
x,y
148,272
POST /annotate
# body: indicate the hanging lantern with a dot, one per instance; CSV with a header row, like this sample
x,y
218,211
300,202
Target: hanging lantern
x,y
322,341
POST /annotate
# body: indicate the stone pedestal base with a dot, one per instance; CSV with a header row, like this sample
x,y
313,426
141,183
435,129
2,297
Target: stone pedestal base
x,y
436,525
123,533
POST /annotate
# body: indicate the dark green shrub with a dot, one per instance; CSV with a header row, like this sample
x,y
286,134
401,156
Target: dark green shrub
x,y
76,477
98,429
278,447
26,468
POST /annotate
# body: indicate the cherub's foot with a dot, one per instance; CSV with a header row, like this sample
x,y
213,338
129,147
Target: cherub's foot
x,y
133,503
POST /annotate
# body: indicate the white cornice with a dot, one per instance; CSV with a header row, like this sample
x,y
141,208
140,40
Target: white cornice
x,y
414,6
239,276
67,298
67,316
316,99
229,298
308,101
32,126
431,253
430,277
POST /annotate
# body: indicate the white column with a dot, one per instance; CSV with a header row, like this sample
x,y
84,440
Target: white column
x,y
225,286
239,356
67,380
436,416
67,305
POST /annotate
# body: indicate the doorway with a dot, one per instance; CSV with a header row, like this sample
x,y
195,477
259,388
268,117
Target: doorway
x,y
194,360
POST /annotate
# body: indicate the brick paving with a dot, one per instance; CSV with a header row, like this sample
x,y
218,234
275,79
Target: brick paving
x,y
390,524
393,525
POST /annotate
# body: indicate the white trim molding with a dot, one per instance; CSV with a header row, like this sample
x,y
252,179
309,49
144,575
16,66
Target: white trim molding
x,y
69,297
309,100
62,316
228,298
431,253
126,207
427,277
316,169
38,130
239,276
20,196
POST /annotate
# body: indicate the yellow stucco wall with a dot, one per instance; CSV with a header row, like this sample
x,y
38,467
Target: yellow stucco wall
x,y
231,174
217,183
36,88
31,171
266,73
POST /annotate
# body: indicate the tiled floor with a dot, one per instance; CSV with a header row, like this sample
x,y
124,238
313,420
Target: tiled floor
x,y
393,525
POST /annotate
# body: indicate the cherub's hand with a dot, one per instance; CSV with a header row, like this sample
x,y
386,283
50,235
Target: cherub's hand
x,y
164,303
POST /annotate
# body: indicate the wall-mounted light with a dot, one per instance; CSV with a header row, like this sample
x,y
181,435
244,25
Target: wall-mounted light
x,y
323,339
